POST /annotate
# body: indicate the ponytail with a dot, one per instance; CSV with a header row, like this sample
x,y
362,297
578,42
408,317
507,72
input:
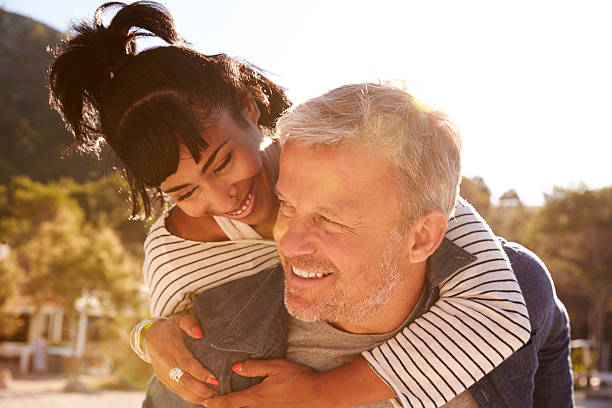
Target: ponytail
x,y
93,56
270,98
145,105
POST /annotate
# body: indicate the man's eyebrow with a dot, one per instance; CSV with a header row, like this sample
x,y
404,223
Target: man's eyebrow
x,y
332,212
208,163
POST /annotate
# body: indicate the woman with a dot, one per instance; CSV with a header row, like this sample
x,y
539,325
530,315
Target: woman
x,y
191,127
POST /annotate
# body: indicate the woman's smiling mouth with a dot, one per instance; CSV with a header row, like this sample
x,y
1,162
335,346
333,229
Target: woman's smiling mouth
x,y
245,208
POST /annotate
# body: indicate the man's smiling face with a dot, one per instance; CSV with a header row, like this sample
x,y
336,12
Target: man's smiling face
x,y
337,232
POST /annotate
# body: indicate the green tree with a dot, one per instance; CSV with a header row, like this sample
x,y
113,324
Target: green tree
x,y
476,192
65,242
66,258
70,239
9,271
510,218
572,234
510,199
25,204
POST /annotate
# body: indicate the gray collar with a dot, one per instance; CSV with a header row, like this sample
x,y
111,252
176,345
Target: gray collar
x,y
447,260
260,310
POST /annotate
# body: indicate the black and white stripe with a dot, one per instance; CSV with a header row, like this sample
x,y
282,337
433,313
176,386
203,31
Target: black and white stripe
x,y
175,270
479,321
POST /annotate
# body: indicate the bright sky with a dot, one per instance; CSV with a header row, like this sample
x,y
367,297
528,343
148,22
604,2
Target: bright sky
x,y
528,83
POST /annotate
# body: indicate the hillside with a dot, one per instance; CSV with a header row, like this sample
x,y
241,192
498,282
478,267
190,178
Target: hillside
x,y
32,136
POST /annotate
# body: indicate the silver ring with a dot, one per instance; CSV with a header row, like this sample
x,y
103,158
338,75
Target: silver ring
x,y
175,374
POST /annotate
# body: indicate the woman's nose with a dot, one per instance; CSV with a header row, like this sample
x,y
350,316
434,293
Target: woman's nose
x,y
222,197
232,191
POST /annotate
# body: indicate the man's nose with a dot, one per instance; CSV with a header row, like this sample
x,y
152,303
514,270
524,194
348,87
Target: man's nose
x,y
295,237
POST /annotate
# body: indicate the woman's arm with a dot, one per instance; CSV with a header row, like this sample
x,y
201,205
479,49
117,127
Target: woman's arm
x,y
175,269
479,321
291,385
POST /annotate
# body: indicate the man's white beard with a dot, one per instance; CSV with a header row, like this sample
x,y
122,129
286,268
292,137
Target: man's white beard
x,y
377,284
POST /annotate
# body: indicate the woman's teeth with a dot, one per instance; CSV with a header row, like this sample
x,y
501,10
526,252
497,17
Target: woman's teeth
x,y
308,275
244,206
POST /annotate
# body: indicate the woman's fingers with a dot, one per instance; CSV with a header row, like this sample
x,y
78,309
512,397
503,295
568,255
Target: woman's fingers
x,y
187,388
189,364
165,342
190,389
188,324
190,384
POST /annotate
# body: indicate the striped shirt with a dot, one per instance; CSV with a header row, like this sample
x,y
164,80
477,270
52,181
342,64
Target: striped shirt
x,y
175,270
479,320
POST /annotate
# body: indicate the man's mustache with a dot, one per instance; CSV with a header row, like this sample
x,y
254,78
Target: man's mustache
x,y
310,263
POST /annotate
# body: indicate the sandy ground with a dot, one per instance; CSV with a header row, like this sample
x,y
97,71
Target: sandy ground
x,y
102,399
47,392
582,402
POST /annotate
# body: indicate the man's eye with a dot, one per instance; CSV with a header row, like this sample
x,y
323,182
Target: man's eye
x,y
285,208
329,221
224,164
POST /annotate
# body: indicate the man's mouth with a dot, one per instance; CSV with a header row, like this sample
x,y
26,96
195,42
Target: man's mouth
x,y
308,274
243,209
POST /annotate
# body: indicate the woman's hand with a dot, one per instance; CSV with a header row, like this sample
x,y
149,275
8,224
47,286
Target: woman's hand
x,y
290,385
287,385
165,342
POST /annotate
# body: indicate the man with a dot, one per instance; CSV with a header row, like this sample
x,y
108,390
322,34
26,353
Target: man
x,y
368,181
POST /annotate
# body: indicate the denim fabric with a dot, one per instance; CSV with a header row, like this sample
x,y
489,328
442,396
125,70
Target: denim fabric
x,y
247,319
240,320
538,375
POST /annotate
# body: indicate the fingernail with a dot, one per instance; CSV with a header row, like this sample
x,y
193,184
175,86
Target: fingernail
x,y
204,403
237,367
213,381
197,332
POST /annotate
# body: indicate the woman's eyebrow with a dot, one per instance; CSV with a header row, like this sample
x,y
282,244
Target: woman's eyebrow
x,y
208,163
211,159
175,188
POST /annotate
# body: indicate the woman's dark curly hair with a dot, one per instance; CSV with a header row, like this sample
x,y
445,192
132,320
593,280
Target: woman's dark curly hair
x,y
144,105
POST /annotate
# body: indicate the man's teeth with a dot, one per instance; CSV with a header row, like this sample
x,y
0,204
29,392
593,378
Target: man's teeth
x,y
245,205
306,274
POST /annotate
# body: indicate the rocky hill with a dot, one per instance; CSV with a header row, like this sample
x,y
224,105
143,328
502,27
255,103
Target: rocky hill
x,y
32,136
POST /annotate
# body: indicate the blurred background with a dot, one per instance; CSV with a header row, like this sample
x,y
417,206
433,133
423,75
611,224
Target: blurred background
x,y
528,85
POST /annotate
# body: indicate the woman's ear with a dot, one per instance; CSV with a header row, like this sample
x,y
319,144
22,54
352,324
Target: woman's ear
x,y
428,234
250,111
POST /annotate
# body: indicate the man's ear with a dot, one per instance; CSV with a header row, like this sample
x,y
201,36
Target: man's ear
x,y
427,236
250,111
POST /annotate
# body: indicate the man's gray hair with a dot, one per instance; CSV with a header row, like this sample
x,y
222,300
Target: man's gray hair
x,y
385,119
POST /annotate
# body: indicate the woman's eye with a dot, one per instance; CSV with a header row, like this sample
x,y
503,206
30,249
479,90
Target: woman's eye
x,y
186,195
224,164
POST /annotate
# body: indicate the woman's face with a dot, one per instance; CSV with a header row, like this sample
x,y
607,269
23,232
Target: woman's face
x,y
229,179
